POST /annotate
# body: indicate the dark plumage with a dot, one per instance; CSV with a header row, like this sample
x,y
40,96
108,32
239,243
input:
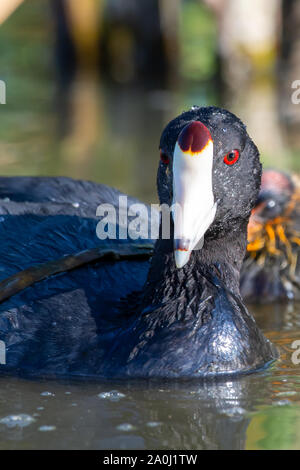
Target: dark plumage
x,y
127,319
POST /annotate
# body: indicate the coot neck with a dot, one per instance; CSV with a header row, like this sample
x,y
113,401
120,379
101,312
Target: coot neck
x,y
219,260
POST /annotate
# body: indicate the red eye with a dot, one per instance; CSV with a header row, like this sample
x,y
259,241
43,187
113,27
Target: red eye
x,y
164,157
232,157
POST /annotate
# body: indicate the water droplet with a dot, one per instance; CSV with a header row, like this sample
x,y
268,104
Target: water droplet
x,y
153,424
47,394
47,428
236,412
20,421
125,427
113,395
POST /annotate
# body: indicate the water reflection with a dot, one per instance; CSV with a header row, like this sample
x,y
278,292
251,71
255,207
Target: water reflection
x,y
110,133
152,415
261,410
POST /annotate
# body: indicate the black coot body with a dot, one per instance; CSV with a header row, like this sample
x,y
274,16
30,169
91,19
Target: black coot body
x,y
134,318
271,270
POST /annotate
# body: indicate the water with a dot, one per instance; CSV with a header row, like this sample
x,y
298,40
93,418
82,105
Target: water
x,y
258,411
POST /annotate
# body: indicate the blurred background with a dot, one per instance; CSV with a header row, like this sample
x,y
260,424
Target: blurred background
x,y
91,84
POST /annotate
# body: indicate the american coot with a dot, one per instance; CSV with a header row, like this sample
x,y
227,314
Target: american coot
x,y
179,315
271,270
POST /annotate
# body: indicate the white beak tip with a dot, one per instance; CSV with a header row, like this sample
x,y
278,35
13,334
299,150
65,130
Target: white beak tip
x,y
181,258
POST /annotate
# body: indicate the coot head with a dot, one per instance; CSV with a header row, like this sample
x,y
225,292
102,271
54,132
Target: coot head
x,y
210,171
